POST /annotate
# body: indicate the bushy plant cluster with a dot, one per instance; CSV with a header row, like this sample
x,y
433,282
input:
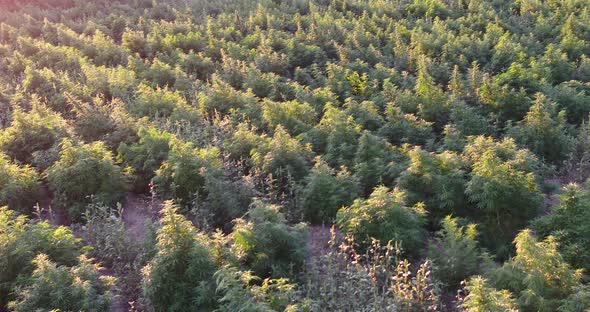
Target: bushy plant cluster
x,y
79,288
211,273
19,185
44,268
434,126
81,172
384,216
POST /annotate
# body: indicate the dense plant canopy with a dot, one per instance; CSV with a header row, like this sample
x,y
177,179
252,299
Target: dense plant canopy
x,y
201,150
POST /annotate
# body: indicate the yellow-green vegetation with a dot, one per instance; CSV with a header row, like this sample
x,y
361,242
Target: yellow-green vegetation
x,y
201,150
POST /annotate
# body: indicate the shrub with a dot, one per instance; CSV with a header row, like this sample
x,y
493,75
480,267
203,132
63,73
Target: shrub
x,y
468,120
242,141
21,240
415,290
567,224
33,131
135,42
77,288
262,84
156,102
544,132
365,114
294,116
118,247
336,136
338,284
376,162
405,128
437,180
504,189
182,176
162,75
385,217
326,191
105,121
118,82
226,199
93,120
282,156
454,252
180,276
19,185
571,99
222,99
241,292
266,244
539,277
145,156
47,85
481,297
82,171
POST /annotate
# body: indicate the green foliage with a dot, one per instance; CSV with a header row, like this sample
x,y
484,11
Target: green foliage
x,y
19,185
240,96
104,51
376,162
336,136
468,120
326,191
437,180
159,74
544,132
241,293
385,217
432,105
226,198
182,175
295,117
242,141
266,244
112,243
567,225
223,99
405,128
454,252
156,102
505,103
302,55
101,120
539,277
180,276
283,156
571,98
481,297
503,188
83,171
35,131
21,240
48,85
336,283
117,82
135,42
415,290
77,288
145,156
365,114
